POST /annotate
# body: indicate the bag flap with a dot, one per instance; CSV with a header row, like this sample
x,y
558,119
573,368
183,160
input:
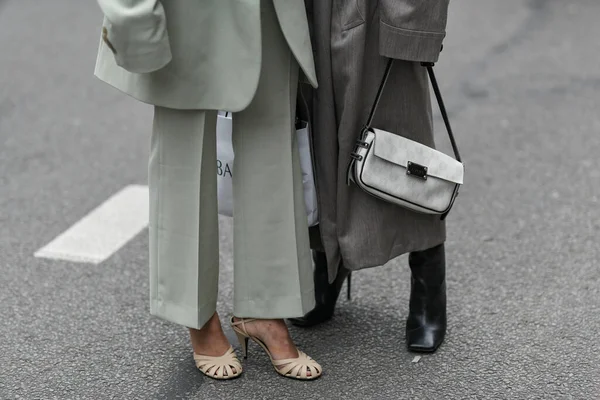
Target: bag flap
x,y
400,150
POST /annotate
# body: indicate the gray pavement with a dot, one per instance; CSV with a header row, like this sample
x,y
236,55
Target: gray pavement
x,y
521,80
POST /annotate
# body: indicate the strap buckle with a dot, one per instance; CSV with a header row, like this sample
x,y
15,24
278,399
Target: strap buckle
x,y
356,156
363,144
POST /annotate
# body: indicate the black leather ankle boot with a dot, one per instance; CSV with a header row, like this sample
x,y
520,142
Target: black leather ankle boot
x,y
326,294
426,323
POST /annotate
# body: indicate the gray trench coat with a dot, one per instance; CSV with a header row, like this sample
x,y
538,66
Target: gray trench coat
x,y
351,40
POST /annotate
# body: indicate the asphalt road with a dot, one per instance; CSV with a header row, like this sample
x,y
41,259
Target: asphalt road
x,y
521,80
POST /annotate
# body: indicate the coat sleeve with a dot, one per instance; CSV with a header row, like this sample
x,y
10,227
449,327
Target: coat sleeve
x,y
412,30
136,33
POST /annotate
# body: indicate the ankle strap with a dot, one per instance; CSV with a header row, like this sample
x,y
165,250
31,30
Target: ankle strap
x,y
242,322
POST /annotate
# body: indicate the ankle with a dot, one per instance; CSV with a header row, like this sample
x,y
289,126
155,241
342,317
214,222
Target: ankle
x,y
214,323
211,328
261,327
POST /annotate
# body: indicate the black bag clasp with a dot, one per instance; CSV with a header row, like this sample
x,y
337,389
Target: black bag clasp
x,y
416,170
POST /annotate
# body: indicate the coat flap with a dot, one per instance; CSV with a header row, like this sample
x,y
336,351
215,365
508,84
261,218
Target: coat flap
x,y
400,150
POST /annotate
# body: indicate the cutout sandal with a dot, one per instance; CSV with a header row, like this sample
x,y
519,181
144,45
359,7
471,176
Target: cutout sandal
x,y
294,368
219,367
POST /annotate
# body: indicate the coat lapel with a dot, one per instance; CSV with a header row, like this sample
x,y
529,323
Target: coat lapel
x,y
292,19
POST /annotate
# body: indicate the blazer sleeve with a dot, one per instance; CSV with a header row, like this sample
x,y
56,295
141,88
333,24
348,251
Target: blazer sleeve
x,y
412,30
136,33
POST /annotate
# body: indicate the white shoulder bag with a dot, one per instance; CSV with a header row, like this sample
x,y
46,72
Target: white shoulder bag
x,y
404,172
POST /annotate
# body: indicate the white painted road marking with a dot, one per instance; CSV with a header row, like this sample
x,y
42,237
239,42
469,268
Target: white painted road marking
x,y
103,231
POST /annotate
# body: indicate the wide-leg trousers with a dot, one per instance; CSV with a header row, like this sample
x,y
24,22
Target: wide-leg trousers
x,y
272,263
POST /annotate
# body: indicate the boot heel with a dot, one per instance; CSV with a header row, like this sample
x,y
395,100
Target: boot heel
x,y
349,286
243,339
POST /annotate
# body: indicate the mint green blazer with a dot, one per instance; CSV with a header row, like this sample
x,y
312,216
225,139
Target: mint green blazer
x,y
194,54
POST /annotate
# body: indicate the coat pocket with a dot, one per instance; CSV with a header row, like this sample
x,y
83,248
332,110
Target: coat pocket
x,y
352,13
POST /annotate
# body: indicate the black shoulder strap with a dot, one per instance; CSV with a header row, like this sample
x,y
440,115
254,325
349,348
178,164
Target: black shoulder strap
x,y
438,96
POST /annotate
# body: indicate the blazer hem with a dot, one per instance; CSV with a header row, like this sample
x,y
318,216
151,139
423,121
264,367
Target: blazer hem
x,y
146,94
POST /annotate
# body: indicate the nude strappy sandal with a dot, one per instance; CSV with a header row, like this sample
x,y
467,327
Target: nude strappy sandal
x,y
216,367
295,368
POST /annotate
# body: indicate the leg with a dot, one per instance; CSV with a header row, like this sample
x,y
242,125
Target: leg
x,y
426,323
184,247
271,247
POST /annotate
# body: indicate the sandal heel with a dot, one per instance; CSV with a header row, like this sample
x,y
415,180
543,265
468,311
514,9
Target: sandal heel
x,y
349,286
243,339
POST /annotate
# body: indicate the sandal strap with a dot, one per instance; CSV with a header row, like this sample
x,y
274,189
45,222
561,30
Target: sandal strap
x,y
226,355
301,357
298,367
217,366
242,322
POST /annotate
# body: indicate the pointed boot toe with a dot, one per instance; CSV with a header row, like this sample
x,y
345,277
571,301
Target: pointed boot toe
x,y
424,340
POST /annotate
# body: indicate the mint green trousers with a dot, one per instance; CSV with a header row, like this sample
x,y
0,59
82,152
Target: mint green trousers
x,y
272,263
